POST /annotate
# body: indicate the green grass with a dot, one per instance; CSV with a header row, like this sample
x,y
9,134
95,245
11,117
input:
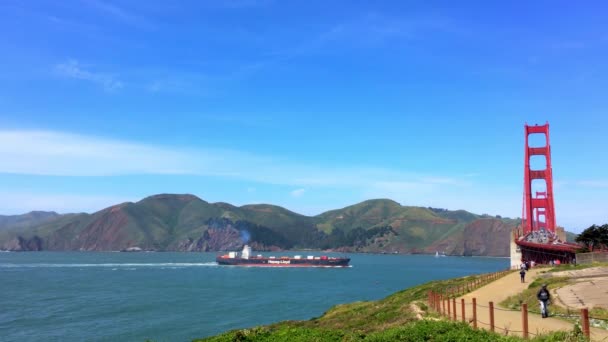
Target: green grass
x,y
424,330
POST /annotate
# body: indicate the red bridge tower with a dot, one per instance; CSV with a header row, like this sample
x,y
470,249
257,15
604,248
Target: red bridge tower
x,y
538,210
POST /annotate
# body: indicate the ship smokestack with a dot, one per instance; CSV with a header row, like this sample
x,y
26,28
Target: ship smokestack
x,y
246,252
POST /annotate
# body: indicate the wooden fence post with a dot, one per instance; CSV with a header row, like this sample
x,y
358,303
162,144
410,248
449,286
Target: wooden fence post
x,y
524,319
449,309
585,322
438,302
492,316
454,305
462,304
475,313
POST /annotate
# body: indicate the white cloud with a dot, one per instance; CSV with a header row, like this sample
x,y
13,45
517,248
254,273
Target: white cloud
x,y
73,69
60,154
297,193
63,154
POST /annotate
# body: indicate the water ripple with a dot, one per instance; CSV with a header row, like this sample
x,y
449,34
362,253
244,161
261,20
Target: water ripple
x,y
114,265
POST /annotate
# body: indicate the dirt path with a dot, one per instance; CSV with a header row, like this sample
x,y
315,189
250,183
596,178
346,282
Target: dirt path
x,y
510,322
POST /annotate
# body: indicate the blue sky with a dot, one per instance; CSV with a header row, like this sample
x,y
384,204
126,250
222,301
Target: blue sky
x,y
311,105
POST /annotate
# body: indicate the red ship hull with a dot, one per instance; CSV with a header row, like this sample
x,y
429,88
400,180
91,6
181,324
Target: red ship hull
x,y
282,262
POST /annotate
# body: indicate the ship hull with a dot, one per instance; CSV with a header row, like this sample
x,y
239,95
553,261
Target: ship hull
x,y
291,262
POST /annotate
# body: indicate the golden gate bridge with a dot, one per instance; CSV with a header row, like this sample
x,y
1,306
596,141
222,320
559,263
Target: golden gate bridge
x,y
538,238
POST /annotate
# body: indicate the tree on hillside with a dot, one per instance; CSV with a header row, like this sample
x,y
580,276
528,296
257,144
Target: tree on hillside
x,y
594,237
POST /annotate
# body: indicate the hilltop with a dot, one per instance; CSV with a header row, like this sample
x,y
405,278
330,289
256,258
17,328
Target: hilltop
x,y
183,222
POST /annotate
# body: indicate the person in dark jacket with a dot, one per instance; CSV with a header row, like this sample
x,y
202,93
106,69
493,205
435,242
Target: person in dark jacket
x,y
522,274
543,297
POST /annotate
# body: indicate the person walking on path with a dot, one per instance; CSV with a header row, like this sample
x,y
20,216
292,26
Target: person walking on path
x,y
522,274
543,297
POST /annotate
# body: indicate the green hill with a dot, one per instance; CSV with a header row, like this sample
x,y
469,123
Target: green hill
x,y
187,223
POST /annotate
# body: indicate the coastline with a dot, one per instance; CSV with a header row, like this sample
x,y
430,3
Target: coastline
x,y
407,311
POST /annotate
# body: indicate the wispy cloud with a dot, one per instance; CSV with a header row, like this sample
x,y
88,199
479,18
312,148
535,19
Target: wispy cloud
x,y
373,29
242,3
297,193
364,31
241,120
119,13
64,154
53,153
73,69
173,85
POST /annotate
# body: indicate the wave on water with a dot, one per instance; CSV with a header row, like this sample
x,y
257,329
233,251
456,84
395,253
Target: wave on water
x,y
116,265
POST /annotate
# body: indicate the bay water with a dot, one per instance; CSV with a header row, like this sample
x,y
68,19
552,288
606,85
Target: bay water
x,y
84,296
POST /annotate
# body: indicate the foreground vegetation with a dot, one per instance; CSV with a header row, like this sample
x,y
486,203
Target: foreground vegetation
x,y
403,316
423,330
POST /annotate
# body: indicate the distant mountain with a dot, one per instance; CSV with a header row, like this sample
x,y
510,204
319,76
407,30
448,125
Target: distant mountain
x,y
168,222
26,220
418,229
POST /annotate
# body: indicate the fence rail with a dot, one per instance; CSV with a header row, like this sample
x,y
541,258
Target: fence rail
x,y
589,258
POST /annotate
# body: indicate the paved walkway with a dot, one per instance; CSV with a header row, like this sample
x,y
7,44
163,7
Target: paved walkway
x,y
590,288
510,322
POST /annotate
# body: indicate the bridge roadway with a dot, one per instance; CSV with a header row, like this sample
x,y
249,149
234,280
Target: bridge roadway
x,y
511,321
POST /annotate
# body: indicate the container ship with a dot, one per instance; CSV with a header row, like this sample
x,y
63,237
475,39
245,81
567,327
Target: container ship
x,y
245,258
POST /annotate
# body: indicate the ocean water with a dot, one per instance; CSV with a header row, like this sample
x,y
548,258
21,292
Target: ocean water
x,y
60,296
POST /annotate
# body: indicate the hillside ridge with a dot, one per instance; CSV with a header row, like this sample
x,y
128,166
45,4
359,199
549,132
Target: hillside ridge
x,y
185,222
